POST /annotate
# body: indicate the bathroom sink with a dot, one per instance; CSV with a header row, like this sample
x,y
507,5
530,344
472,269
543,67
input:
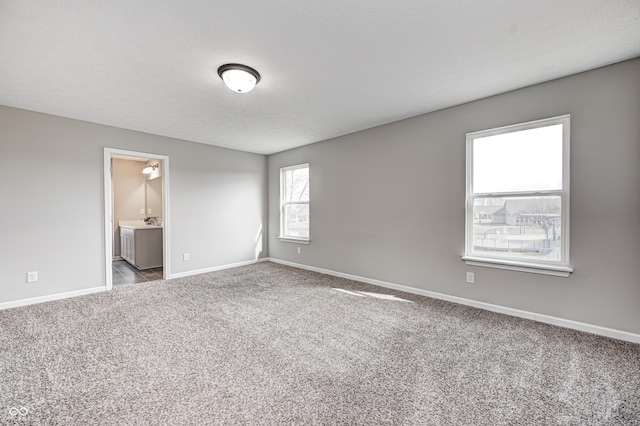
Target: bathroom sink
x,y
144,226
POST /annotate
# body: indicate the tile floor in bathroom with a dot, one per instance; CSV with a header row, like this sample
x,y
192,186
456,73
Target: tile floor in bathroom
x,y
124,273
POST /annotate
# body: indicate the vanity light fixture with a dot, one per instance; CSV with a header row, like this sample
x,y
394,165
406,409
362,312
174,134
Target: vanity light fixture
x,y
239,78
150,168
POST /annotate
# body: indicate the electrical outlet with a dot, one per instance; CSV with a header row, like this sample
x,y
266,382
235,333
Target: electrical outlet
x,y
471,277
32,277
141,211
185,256
299,250
148,211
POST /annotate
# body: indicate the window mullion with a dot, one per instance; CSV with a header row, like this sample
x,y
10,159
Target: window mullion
x,y
517,194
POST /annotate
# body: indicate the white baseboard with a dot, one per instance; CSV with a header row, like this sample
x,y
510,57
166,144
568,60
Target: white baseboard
x,y
588,328
216,268
49,297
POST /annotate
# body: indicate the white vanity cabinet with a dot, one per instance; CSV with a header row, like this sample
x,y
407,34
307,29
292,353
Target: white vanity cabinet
x,y
141,246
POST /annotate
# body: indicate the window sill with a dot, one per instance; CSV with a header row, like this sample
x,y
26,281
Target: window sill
x,y
534,268
294,240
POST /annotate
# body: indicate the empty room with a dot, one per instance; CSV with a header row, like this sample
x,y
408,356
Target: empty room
x,y
354,213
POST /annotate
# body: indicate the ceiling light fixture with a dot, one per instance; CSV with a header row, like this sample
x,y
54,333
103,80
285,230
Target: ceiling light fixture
x,y
150,168
239,78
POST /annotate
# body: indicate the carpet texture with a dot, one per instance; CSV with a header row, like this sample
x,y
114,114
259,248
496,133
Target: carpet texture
x,y
268,344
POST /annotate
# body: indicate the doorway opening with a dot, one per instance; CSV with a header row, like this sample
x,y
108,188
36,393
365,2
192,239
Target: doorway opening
x,y
136,188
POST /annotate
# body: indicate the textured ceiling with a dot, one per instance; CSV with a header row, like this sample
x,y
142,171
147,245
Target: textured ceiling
x,y
328,67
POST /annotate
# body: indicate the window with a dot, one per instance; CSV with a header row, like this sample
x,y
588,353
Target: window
x,y
517,214
294,203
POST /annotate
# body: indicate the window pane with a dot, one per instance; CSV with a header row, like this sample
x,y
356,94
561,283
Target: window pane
x,y
526,160
296,220
296,185
523,228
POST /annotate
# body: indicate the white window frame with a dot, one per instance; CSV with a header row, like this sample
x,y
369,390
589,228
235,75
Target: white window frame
x,y
557,268
289,238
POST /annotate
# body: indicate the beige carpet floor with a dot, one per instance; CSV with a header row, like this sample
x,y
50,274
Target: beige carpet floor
x,y
268,344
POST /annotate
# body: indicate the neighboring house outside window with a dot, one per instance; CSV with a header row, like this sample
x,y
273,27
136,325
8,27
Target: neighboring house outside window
x,y
294,203
517,208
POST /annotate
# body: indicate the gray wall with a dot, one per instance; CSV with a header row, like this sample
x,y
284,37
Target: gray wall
x,y
52,202
388,203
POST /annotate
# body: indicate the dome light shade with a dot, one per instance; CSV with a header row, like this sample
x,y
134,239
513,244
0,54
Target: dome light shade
x,y
239,78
